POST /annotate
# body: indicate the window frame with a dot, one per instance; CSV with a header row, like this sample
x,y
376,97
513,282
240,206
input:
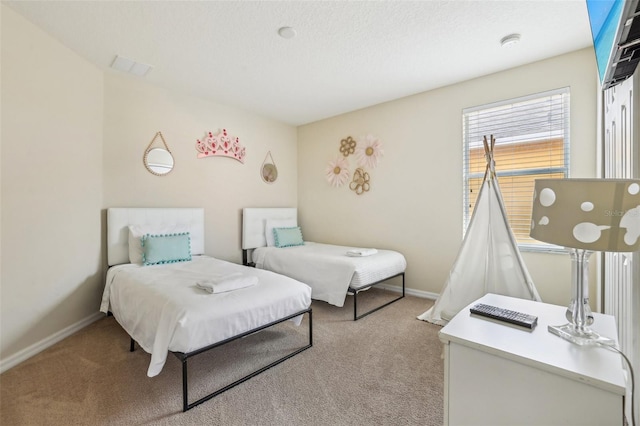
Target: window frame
x,y
467,175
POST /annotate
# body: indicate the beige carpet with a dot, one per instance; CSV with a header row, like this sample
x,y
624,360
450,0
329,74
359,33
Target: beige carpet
x,y
384,369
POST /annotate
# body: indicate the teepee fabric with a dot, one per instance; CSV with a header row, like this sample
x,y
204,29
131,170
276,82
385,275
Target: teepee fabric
x,y
489,260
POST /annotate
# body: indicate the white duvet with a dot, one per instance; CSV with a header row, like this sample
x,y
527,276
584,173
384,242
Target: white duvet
x,y
328,269
163,310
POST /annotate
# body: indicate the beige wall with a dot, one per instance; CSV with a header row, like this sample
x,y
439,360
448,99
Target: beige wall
x,y
135,111
414,204
51,186
73,138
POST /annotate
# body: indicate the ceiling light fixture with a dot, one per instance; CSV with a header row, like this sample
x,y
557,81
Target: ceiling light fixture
x,y
121,63
287,32
510,40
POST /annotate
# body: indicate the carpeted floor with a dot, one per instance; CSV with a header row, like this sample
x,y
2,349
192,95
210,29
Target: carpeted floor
x,y
384,369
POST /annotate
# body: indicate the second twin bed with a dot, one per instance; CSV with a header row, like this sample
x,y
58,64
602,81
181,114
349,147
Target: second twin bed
x,y
273,240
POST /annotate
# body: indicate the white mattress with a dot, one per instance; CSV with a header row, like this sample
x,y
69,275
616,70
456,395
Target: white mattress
x,y
162,309
328,269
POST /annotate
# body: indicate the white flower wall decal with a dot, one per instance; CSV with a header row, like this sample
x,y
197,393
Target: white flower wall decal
x,y
368,151
337,172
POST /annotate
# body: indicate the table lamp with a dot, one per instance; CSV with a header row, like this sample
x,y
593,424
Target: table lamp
x,y
586,215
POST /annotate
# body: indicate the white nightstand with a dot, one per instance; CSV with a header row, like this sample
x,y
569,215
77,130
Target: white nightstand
x,y
498,374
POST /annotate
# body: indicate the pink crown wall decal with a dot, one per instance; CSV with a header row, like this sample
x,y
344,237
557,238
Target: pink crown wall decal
x,y
221,144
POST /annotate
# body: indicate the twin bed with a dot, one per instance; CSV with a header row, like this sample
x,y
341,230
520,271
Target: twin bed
x,y
331,271
163,309
171,298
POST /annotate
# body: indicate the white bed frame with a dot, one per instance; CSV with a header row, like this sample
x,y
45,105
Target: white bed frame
x,y
254,221
119,220
191,219
253,235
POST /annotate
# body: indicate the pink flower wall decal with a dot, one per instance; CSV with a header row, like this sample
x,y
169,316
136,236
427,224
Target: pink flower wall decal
x,y
337,172
368,151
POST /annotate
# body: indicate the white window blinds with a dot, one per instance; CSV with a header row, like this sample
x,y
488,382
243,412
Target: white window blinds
x,y
532,142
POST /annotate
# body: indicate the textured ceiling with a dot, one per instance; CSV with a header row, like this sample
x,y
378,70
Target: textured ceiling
x,y
347,55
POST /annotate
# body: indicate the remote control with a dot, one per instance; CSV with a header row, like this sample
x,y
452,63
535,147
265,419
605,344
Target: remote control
x,y
512,317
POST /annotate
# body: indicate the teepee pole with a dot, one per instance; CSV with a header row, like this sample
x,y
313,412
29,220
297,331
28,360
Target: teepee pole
x,y
488,156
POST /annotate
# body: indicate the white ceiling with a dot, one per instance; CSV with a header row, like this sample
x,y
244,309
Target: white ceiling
x,y
347,55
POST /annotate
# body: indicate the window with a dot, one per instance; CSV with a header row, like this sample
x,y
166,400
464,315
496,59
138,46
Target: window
x,y
532,142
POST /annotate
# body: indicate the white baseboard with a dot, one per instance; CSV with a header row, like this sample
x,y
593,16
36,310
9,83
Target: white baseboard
x,y
410,292
36,348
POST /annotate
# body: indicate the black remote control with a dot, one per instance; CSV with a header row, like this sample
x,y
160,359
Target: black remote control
x,y
512,317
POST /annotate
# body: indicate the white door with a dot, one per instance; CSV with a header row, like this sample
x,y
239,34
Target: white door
x,y
621,159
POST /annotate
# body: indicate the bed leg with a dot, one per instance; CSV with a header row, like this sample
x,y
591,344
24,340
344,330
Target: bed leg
x,y
355,293
132,347
310,327
355,305
185,403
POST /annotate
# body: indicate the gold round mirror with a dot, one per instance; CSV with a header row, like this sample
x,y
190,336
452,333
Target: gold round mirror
x,y
269,172
158,161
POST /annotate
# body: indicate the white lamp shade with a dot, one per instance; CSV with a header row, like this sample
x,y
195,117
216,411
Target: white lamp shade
x,y
589,214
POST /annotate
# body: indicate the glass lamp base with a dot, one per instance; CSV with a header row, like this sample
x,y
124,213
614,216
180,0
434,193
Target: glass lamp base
x,y
584,336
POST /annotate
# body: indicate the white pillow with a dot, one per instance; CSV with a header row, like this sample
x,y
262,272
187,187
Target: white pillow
x,y
277,223
137,232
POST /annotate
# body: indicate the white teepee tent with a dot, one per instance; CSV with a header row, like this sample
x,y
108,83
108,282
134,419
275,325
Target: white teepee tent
x,y
489,260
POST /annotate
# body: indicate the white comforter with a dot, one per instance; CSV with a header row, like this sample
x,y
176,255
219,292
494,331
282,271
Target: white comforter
x,y
163,310
328,269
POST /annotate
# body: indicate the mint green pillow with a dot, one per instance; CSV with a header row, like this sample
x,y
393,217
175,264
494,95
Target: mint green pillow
x,y
166,248
288,237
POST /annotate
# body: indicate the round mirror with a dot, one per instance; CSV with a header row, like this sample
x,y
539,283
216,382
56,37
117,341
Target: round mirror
x,y
158,161
269,172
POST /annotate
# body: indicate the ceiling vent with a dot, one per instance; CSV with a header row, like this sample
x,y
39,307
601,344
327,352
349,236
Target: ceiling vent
x,y
121,63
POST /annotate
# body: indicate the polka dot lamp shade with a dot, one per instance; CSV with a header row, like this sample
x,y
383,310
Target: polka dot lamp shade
x,y
589,214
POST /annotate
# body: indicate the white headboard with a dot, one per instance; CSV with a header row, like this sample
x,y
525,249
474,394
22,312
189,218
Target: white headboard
x,y
119,219
254,220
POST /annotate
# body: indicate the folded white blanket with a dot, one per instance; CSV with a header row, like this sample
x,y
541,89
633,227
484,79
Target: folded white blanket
x,y
228,282
361,252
